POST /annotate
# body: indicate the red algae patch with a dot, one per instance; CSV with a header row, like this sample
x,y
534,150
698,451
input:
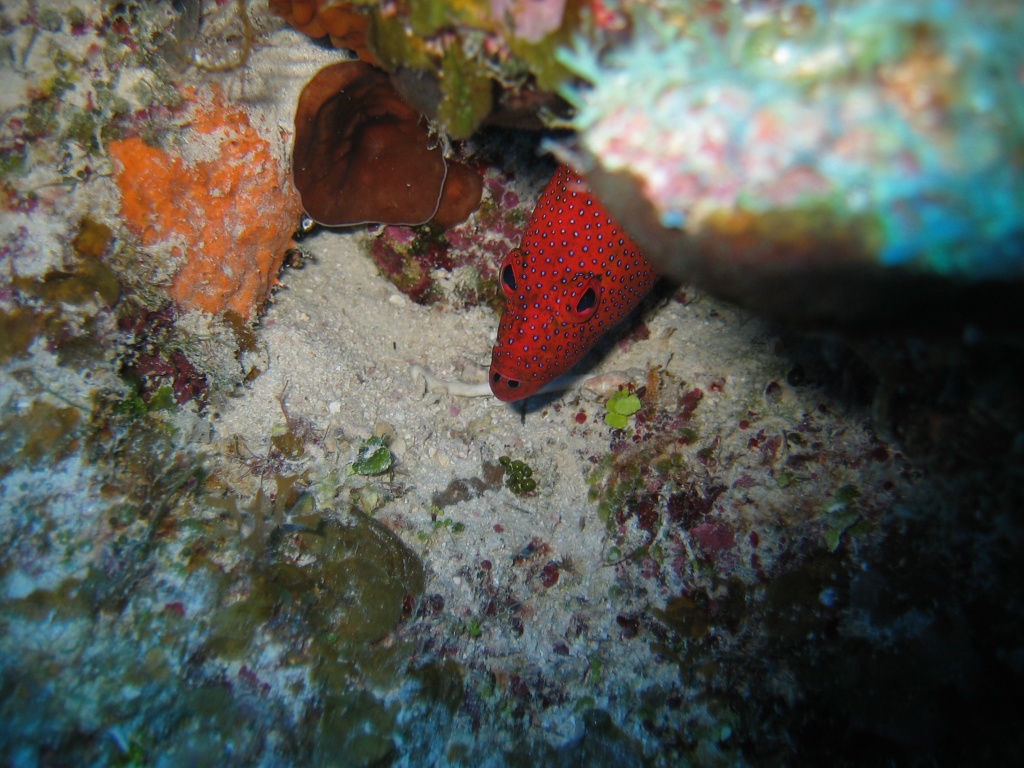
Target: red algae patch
x,y
227,218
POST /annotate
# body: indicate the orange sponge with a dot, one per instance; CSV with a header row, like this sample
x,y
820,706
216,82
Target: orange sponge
x,y
228,218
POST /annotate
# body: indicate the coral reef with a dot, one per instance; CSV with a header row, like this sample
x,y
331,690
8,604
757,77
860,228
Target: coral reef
x,y
255,542
834,165
226,215
462,64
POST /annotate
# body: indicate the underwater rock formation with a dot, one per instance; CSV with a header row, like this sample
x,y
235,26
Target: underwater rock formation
x,y
835,166
362,155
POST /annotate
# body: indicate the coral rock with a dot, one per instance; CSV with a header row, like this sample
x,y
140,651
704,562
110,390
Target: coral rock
x,y
832,168
228,219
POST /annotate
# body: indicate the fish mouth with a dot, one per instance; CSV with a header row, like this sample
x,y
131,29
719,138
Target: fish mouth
x,y
509,388
506,388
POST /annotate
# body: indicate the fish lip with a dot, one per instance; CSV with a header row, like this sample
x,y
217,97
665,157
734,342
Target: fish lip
x,y
504,392
505,397
507,394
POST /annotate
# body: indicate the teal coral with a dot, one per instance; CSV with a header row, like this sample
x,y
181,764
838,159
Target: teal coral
x,y
907,114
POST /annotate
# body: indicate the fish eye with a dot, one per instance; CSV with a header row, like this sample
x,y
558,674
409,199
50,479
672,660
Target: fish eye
x,y
584,299
507,272
508,277
587,301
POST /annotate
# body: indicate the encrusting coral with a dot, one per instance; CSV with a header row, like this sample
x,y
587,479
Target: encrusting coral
x,y
838,165
346,26
463,63
228,218
363,155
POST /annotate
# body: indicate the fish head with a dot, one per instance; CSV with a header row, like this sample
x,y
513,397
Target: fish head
x,y
575,275
545,328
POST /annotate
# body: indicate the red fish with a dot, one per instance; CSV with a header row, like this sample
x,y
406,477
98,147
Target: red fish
x,y
575,275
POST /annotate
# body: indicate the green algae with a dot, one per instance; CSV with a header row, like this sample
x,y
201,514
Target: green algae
x,y
233,628
330,590
289,444
351,588
467,93
245,333
395,46
540,57
88,281
134,405
844,519
373,458
449,43
621,405
441,682
92,239
356,730
656,455
370,573
13,162
43,434
21,326
686,615
61,306
71,599
518,476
